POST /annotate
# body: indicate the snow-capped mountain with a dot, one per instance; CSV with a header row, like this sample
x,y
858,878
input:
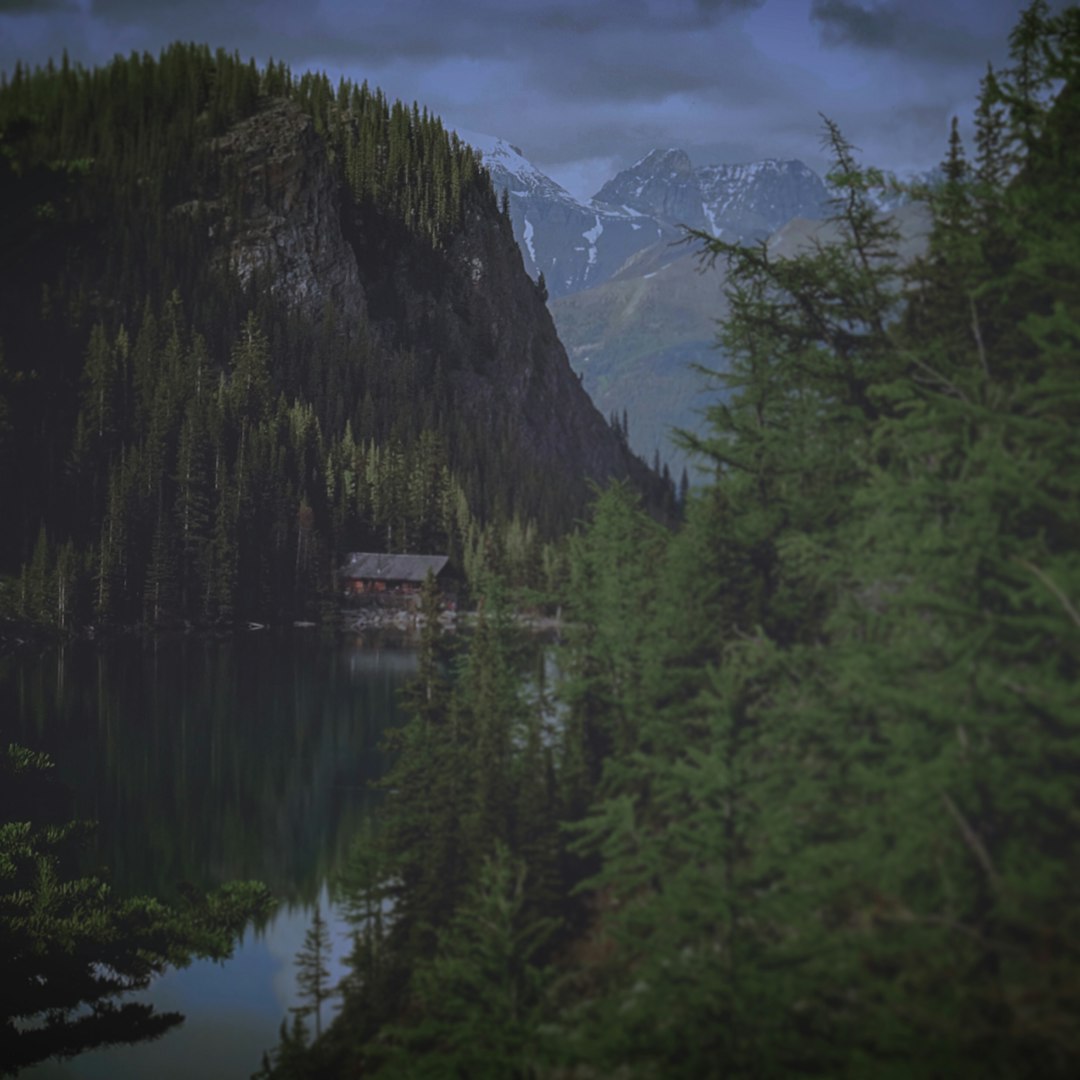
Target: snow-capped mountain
x,y
510,169
662,184
574,244
751,201
577,245
745,202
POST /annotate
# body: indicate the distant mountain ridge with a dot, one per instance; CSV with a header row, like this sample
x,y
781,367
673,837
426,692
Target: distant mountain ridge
x,y
745,201
573,244
578,245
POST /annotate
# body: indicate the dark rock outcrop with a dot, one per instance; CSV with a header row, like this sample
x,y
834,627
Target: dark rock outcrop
x,y
288,231
471,311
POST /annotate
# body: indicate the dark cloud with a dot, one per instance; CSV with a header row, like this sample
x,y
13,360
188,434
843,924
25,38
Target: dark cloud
x,y
602,50
637,68
922,30
579,84
419,29
35,7
725,7
844,22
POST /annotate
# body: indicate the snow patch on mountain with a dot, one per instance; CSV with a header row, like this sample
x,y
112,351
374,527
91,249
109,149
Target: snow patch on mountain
x,y
592,235
528,238
510,169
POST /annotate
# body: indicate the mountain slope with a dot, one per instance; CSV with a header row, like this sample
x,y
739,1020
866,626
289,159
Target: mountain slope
x,y
636,340
282,322
639,338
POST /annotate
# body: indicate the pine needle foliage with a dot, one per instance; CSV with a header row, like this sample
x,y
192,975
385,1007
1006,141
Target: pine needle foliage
x,y
848,848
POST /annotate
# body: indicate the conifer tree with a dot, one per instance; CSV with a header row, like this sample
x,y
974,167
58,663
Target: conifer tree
x,y
429,693
480,998
192,506
312,973
488,713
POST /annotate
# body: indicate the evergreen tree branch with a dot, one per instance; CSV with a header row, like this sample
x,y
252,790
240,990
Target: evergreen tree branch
x,y
1059,594
973,841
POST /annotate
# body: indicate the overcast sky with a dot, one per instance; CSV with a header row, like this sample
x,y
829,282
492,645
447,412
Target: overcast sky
x,y
585,87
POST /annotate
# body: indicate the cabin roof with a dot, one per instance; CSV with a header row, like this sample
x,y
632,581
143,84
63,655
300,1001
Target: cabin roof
x,y
375,567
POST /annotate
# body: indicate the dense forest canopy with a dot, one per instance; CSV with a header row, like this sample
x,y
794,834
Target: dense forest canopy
x,y
808,805
181,436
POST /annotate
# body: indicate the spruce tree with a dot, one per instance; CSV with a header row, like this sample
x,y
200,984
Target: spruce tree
x,y
480,999
312,973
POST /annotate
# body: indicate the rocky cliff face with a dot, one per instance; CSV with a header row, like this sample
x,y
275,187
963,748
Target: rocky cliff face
x,y
471,310
287,231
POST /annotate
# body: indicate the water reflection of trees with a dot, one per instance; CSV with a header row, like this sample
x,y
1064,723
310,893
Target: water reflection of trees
x,y
209,760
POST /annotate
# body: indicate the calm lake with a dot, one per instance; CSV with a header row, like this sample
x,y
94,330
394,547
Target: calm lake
x,y
205,761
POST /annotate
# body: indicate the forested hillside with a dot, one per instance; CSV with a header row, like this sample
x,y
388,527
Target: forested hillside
x,y
808,803
251,321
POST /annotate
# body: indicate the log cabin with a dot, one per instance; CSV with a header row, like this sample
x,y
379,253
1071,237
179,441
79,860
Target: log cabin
x,y
378,575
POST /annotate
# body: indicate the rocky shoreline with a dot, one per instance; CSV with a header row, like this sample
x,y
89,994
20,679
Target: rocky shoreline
x,y
408,624
365,620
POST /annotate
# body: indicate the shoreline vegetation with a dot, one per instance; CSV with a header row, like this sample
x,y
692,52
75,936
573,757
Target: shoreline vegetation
x,y
405,623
